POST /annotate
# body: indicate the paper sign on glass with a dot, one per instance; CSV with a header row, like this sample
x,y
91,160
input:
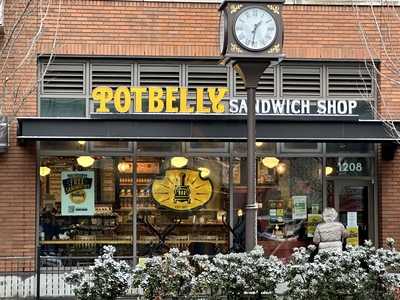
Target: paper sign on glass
x,y
352,219
299,207
77,193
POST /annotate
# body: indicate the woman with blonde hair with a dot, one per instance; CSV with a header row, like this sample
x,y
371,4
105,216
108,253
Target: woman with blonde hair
x,y
330,234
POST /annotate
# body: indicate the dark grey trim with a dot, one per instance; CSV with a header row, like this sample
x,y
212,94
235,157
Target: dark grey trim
x,y
174,59
202,127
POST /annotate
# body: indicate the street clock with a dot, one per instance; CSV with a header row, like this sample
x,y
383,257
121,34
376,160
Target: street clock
x,y
250,29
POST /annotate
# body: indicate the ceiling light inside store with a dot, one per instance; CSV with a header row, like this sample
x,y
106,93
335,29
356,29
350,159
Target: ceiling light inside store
x,y
281,168
44,171
328,171
81,143
179,161
85,161
204,172
270,162
125,167
259,144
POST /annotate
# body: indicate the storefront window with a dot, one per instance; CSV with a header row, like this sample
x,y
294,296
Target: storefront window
x,y
290,202
301,147
348,166
261,147
183,203
158,195
239,178
62,107
349,147
207,147
83,207
157,147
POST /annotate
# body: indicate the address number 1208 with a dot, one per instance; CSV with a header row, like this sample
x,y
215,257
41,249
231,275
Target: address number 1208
x,y
350,167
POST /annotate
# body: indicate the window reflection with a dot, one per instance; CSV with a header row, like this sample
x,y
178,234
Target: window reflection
x,y
182,203
289,198
84,208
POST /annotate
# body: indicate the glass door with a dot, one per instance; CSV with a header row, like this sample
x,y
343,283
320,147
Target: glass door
x,y
353,199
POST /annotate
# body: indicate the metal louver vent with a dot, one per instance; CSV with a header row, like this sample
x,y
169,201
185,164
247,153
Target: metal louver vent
x,y
266,86
301,81
159,75
206,76
63,78
349,82
111,75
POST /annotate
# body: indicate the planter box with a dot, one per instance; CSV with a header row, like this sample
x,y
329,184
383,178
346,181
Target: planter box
x,y
3,134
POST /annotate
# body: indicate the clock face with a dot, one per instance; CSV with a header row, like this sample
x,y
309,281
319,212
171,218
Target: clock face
x,y
222,32
255,29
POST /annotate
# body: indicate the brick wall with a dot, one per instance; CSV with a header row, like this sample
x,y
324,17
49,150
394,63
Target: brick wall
x,y
120,28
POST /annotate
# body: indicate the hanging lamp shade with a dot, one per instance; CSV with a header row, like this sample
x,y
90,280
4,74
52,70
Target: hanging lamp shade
x,y
85,161
270,162
44,171
281,168
204,172
125,167
179,161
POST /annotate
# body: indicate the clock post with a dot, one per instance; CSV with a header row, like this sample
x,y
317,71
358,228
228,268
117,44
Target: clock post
x,y
251,39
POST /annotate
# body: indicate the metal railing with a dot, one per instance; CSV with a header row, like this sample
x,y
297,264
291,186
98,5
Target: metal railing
x,y
17,277
53,270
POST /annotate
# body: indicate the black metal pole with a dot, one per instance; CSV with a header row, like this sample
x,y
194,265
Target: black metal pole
x,y
251,206
37,221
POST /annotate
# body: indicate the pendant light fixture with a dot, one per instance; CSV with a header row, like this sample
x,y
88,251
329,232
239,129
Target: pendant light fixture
x,y
85,161
44,171
204,172
270,162
125,167
281,168
179,161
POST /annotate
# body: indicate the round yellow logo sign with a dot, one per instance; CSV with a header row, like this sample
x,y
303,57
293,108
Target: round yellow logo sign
x,y
182,190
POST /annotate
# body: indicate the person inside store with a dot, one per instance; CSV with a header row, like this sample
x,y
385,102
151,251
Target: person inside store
x,y
330,234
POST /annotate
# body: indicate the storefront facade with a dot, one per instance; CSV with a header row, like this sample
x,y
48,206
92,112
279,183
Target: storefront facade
x,y
170,170
295,179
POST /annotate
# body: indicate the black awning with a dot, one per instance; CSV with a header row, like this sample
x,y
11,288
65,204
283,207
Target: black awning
x,y
211,127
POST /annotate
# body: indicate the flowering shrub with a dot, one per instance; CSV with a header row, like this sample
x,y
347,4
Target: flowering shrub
x,y
360,273
363,272
107,279
236,274
170,275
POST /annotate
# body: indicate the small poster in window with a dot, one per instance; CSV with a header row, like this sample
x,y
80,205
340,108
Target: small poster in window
x,y
312,221
352,219
236,173
77,193
299,207
352,240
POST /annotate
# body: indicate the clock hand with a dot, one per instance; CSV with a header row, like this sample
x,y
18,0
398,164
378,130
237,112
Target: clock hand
x,y
254,31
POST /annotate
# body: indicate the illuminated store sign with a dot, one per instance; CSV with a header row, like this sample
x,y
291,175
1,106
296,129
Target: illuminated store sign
x,y
208,100
182,190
